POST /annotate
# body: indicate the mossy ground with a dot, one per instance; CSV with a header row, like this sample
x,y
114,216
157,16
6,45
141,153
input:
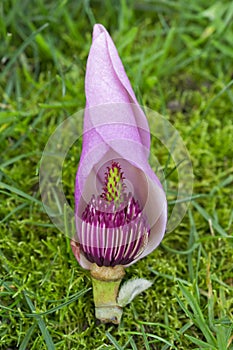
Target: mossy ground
x,y
178,56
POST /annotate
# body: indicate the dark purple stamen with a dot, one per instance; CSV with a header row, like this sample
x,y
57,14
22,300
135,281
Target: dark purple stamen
x,y
113,234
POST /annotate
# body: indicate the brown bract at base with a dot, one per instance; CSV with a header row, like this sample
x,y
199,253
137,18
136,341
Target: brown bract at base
x,y
107,273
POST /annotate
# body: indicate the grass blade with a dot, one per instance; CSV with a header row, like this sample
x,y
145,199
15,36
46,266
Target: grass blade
x,y
45,333
27,337
19,193
18,52
197,316
208,218
201,343
113,341
56,308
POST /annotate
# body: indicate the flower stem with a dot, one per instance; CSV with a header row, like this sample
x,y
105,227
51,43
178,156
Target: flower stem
x,y
106,282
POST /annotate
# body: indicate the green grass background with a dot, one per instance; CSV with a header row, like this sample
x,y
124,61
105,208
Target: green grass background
x,y
178,56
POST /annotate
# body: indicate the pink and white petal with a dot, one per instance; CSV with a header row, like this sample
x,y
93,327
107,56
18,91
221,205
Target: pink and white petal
x,y
79,255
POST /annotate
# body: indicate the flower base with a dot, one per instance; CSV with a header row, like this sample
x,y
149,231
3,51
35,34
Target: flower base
x,y
106,282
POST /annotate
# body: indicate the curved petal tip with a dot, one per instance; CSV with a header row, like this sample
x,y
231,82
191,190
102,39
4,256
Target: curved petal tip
x,y
97,30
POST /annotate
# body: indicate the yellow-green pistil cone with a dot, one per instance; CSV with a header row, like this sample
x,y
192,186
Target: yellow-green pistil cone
x,y
114,186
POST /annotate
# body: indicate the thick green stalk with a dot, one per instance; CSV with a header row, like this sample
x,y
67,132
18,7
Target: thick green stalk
x,y
106,282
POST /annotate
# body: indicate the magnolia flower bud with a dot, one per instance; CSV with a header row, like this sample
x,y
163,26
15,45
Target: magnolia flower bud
x,y
121,208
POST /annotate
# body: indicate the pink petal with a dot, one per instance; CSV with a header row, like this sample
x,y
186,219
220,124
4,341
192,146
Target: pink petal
x,y
115,127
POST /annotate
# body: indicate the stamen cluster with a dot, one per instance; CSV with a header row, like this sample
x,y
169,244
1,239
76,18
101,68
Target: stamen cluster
x,y
114,228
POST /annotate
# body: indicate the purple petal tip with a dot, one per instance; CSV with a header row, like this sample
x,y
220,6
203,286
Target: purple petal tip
x,y
97,30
